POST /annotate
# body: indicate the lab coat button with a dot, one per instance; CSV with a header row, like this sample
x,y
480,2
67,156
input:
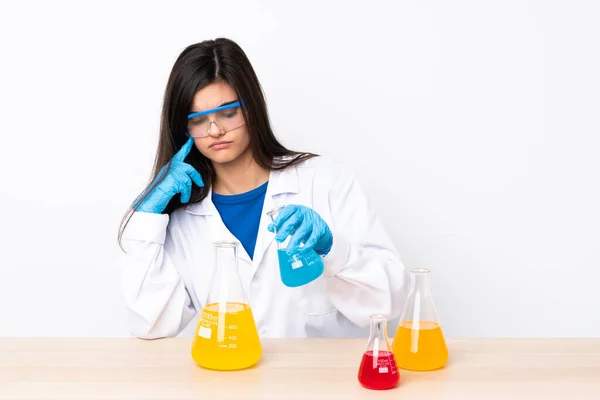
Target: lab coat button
x,y
264,332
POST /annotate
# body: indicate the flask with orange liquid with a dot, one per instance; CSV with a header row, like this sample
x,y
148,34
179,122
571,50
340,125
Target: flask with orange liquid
x,y
226,336
419,343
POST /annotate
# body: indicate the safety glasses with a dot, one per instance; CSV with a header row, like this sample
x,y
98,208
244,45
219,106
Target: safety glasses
x,y
225,118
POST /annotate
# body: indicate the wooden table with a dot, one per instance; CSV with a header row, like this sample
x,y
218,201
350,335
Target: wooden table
x,y
304,369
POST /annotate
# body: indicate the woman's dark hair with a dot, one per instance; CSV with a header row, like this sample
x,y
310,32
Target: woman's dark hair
x,y
197,66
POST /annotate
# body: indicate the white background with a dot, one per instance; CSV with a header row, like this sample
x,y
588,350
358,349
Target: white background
x,y
473,125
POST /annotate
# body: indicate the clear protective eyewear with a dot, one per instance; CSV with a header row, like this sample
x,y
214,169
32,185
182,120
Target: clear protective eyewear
x,y
226,118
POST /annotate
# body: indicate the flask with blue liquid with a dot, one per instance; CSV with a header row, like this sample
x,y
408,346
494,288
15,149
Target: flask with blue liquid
x,y
300,267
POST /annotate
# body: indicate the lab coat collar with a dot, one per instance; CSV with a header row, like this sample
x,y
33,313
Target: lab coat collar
x,y
280,181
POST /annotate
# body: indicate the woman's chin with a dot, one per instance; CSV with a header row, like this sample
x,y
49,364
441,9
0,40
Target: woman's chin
x,y
225,156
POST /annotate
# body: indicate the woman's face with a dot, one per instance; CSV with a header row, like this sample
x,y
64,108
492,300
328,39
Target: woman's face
x,y
221,136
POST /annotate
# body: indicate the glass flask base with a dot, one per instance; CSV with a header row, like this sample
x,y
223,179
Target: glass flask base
x,y
226,338
378,373
300,268
420,346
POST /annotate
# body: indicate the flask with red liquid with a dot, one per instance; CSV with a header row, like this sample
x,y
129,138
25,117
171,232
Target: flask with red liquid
x,y
378,369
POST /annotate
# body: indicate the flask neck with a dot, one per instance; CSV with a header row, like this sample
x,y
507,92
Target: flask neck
x,y
226,285
379,328
274,213
419,305
226,259
378,339
420,282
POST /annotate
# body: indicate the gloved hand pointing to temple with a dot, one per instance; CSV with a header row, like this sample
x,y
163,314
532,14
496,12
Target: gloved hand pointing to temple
x,y
178,179
305,225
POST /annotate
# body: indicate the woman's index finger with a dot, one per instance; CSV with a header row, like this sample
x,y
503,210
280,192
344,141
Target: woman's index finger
x,y
184,151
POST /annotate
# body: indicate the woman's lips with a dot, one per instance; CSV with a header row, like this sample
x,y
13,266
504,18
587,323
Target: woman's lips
x,y
220,145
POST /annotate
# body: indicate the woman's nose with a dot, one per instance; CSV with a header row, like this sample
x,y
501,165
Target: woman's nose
x,y
218,131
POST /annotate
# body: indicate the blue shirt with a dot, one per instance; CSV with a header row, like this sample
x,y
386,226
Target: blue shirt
x,y
241,214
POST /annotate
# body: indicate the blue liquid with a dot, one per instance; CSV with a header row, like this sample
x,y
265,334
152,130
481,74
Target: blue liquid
x,y
300,268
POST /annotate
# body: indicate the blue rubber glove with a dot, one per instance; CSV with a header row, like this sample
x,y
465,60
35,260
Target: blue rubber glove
x,y
305,226
179,179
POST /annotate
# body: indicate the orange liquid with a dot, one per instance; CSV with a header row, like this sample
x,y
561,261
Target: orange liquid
x,y
420,346
226,339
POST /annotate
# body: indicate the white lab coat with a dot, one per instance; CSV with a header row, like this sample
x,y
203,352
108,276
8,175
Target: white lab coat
x,y
169,263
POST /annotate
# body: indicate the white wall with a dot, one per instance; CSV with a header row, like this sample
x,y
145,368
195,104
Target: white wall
x,y
474,126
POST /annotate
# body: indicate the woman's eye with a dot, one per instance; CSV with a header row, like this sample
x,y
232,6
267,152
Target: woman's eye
x,y
197,121
229,114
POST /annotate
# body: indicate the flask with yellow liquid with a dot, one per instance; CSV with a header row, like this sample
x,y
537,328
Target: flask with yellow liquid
x,y
419,343
226,336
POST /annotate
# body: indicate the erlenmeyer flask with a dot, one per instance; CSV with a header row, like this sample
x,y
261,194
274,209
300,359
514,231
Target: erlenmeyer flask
x,y
419,343
226,336
378,369
300,267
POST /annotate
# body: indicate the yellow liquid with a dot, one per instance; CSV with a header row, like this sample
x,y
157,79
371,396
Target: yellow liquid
x,y
226,340
420,346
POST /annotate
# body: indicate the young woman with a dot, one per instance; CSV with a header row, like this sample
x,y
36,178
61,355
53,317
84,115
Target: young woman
x,y
218,170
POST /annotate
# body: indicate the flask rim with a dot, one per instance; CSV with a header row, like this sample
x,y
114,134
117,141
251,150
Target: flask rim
x,y
420,271
378,317
226,243
275,210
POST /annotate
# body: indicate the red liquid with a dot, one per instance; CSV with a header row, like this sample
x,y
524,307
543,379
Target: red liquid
x,y
378,373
